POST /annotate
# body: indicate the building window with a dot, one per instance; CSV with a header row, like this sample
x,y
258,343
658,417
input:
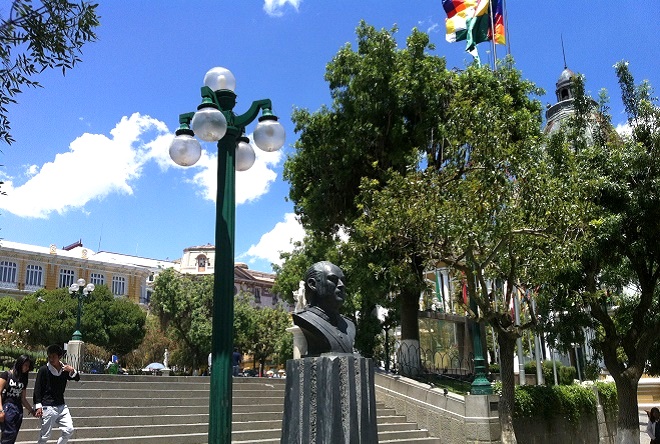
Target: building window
x,y
201,263
147,297
151,277
34,276
257,295
7,272
97,279
66,278
118,285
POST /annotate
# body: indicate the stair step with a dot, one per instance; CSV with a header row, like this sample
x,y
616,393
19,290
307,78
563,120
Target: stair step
x,y
158,409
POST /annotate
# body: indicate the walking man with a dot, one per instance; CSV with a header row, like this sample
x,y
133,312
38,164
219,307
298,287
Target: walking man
x,y
48,396
236,359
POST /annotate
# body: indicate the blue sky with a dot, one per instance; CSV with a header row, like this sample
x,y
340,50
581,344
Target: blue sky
x,y
91,160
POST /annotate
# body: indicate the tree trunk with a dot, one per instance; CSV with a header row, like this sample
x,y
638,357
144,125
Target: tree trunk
x,y
409,315
628,418
408,354
507,345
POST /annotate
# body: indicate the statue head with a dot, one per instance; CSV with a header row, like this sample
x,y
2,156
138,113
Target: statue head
x,y
324,287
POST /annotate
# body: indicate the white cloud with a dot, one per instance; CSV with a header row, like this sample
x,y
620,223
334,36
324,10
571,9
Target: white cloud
x,y
250,184
107,165
280,239
430,25
624,129
31,170
103,164
275,8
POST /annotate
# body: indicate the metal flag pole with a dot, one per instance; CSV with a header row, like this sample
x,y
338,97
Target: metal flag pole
x,y
492,34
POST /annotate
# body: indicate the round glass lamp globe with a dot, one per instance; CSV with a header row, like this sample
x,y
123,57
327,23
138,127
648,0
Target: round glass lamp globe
x,y
209,124
73,288
90,287
185,150
220,78
245,156
269,135
81,282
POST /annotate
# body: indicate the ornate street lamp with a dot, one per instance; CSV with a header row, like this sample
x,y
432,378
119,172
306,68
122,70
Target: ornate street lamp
x,y
480,385
215,121
80,291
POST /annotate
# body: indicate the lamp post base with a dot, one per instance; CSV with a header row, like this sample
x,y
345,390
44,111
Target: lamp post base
x,y
481,386
75,351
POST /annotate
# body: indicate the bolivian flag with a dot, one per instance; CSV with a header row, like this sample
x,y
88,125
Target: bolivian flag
x,y
470,20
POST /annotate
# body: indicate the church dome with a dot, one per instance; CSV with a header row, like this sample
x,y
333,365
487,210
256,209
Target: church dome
x,y
565,76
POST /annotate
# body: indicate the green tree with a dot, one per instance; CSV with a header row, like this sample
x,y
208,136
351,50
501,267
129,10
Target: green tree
x,y
49,317
314,248
261,331
483,210
270,331
617,255
183,304
9,310
34,39
152,347
386,104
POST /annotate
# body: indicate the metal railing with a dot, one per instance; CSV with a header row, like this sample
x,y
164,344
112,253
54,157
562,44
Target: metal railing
x,y
432,365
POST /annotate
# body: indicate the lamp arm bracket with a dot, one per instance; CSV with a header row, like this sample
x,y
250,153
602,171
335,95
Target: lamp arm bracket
x,y
185,119
246,118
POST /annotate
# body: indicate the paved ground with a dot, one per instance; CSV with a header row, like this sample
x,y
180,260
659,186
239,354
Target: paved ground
x,y
643,437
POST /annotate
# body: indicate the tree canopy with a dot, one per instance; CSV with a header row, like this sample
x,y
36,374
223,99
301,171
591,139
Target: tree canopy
x,y
183,304
49,317
609,280
33,39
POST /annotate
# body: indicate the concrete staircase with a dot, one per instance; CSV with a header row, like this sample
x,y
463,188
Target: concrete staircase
x,y
174,410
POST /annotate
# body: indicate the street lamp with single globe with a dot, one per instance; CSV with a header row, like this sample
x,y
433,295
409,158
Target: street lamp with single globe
x,y
215,121
80,291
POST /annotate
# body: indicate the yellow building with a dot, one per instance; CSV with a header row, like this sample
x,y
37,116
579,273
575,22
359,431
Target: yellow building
x,y
26,268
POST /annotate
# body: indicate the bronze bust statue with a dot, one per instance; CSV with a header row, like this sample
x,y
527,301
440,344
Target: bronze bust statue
x,y
325,330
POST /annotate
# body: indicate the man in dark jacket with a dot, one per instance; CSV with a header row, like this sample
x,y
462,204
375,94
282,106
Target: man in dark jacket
x,y
48,396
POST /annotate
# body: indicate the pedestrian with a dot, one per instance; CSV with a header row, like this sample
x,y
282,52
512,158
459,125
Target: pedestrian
x,y
236,359
13,386
651,427
49,396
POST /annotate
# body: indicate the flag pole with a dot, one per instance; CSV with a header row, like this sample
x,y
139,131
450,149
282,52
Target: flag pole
x,y
507,37
492,34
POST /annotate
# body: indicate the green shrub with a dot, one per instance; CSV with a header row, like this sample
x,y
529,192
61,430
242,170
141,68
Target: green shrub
x,y
530,367
494,368
608,397
571,402
546,368
567,375
591,371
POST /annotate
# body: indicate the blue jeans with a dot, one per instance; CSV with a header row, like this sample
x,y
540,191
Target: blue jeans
x,y
13,421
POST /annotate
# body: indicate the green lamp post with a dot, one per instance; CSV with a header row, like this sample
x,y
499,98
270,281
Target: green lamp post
x,y
481,385
215,121
80,291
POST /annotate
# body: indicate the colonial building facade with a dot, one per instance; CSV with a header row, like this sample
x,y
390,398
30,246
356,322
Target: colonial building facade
x,y
26,268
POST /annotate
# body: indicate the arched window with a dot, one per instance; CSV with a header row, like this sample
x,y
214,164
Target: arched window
x,y
7,273
201,263
34,276
66,278
118,285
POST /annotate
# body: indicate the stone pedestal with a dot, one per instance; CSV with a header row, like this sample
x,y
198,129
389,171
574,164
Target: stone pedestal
x,y
166,371
330,399
75,354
